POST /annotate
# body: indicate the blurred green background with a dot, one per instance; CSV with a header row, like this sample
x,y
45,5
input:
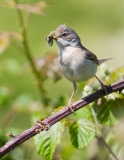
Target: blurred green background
x,y
100,25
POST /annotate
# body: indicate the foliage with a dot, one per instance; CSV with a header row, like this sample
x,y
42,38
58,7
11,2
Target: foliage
x,y
81,133
47,142
21,103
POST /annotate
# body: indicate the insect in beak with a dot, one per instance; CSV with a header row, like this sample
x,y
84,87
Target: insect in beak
x,y
55,37
51,37
49,40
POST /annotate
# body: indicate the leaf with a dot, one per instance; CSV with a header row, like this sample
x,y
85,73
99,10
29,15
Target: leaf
x,y
82,133
47,141
36,8
9,3
110,110
85,113
5,39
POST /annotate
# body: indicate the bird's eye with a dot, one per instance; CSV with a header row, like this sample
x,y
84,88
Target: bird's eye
x,y
64,34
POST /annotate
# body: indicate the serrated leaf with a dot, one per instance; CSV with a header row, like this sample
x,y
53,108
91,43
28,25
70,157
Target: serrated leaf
x,y
85,113
82,132
110,111
47,141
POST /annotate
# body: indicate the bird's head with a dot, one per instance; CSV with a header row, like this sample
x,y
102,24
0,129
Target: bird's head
x,y
65,36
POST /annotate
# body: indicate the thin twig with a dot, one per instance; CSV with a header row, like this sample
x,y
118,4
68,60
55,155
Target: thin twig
x,y
51,120
17,46
94,116
28,54
26,19
100,137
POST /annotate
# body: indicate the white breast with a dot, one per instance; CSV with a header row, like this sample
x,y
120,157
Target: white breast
x,y
75,66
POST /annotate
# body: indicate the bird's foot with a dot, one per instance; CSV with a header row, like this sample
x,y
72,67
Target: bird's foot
x,y
71,106
104,88
42,126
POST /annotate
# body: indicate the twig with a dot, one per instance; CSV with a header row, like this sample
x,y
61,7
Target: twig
x,y
17,46
94,116
100,137
28,54
17,140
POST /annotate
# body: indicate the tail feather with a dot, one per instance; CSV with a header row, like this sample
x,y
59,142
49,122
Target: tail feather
x,y
103,60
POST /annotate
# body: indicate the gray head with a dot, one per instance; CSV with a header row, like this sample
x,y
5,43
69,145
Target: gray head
x,y
65,36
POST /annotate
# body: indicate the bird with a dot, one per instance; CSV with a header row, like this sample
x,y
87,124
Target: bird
x,y
75,61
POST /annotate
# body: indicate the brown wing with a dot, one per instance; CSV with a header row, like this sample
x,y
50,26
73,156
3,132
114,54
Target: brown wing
x,y
91,56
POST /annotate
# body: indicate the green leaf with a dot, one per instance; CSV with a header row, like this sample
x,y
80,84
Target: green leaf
x,y
82,132
47,141
110,110
85,113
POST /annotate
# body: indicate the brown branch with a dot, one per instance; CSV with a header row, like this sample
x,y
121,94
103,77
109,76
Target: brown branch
x,y
101,139
100,136
17,140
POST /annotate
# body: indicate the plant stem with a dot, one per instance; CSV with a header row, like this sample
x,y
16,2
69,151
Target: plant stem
x,y
29,55
101,138
94,115
57,116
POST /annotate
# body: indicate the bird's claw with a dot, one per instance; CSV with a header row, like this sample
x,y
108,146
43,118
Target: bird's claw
x,y
71,106
43,126
104,88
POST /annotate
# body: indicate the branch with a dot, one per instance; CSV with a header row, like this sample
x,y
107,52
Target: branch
x,y
100,137
19,139
28,54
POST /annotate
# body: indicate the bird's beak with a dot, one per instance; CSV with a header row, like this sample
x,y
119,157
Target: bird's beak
x,y
52,34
